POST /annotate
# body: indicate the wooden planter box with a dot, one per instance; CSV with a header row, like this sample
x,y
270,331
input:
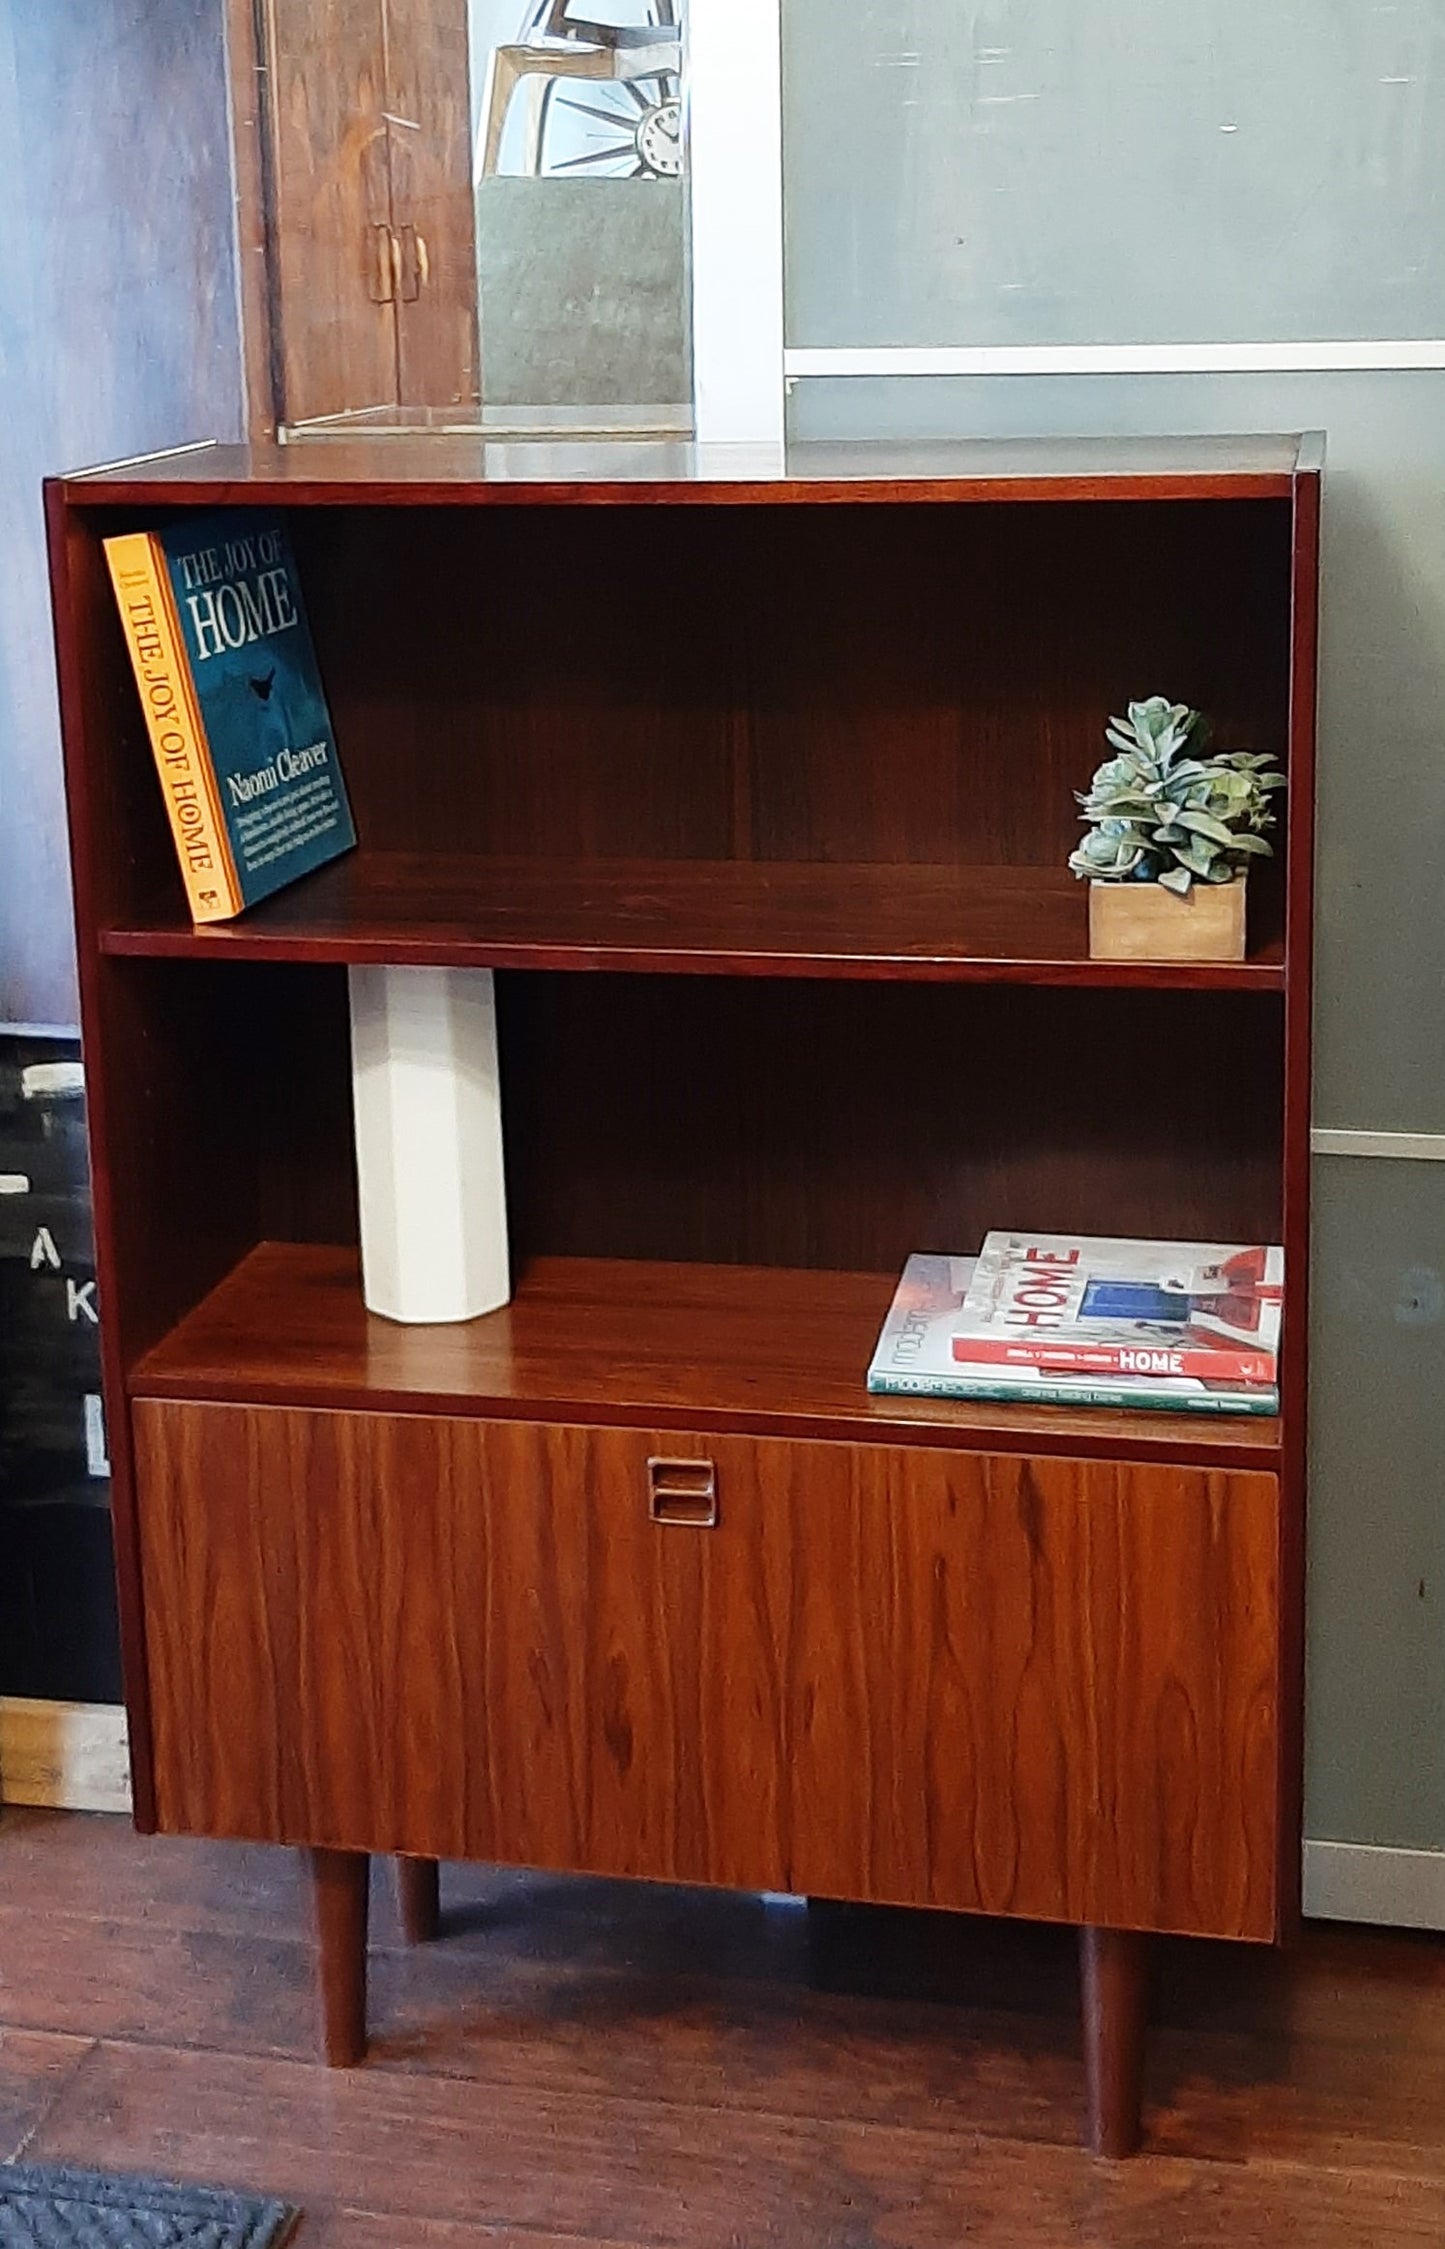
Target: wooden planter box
x,y
1141,921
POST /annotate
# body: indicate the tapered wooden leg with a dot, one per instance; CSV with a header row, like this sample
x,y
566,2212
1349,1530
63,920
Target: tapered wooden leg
x,y
1114,1970
418,1886
340,1881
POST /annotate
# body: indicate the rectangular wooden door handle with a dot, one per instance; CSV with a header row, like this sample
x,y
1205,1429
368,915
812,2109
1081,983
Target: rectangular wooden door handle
x,y
682,1491
384,245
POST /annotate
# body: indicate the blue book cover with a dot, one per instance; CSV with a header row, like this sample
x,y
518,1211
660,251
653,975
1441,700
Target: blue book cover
x,y
223,656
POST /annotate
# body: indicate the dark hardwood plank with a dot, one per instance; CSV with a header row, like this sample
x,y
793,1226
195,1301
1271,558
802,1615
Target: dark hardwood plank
x,y
1014,925
343,2227
673,470
248,1994
668,2173
35,2066
622,1342
61,1864
1329,2058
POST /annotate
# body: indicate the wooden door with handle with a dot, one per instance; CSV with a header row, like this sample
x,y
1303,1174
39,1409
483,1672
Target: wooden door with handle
x,y
428,121
329,222
369,222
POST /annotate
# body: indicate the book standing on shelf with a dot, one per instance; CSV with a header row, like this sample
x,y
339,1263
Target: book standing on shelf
x,y
233,702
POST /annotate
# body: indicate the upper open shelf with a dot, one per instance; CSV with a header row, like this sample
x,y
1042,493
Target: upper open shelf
x,y
815,736
964,924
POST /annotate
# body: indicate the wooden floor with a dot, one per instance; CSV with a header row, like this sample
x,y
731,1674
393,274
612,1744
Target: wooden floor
x,y
580,2063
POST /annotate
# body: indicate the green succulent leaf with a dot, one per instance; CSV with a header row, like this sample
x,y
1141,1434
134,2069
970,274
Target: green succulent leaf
x,y
1205,824
1196,855
1160,811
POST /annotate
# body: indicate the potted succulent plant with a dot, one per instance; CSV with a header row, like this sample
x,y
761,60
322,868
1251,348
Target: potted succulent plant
x,y
1172,830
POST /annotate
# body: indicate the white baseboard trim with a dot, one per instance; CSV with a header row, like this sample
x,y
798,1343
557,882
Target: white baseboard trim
x,y
1371,1882
70,1756
1410,1147
1112,359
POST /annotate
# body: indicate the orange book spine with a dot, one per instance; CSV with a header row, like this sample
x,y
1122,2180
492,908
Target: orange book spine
x,y
173,720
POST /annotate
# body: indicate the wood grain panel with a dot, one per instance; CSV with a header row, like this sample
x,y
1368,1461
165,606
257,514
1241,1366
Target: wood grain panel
x,y
1038,1687
848,1124
926,686
1042,1688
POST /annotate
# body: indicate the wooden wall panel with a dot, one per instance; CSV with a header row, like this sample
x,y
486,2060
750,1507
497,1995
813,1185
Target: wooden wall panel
x,y
918,685
847,1125
1045,1688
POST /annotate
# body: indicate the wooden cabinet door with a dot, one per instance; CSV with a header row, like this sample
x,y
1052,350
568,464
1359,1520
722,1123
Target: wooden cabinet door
x,y
329,221
429,130
371,230
1022,1686
451,1637
1036,1686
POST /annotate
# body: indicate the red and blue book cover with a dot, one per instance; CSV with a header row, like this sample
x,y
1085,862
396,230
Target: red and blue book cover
x,y
1096,1305
942,1338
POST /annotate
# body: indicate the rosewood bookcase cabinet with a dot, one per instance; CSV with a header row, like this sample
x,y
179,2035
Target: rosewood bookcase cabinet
x,y
757,790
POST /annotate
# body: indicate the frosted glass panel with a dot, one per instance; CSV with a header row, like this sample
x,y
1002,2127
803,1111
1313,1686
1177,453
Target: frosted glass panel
x,y
1379,1044
1376,1732
1114,171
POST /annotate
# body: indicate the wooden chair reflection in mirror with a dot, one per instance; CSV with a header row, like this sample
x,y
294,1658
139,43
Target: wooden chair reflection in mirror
x,y
639,64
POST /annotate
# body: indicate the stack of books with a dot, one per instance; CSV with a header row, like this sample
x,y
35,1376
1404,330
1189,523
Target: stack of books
x,y
1060,1319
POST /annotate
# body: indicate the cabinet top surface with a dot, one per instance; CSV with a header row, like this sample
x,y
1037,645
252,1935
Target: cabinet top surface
x,y
472,470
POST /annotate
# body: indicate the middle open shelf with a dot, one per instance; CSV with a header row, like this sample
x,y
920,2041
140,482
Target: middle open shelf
x,y
748,1349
